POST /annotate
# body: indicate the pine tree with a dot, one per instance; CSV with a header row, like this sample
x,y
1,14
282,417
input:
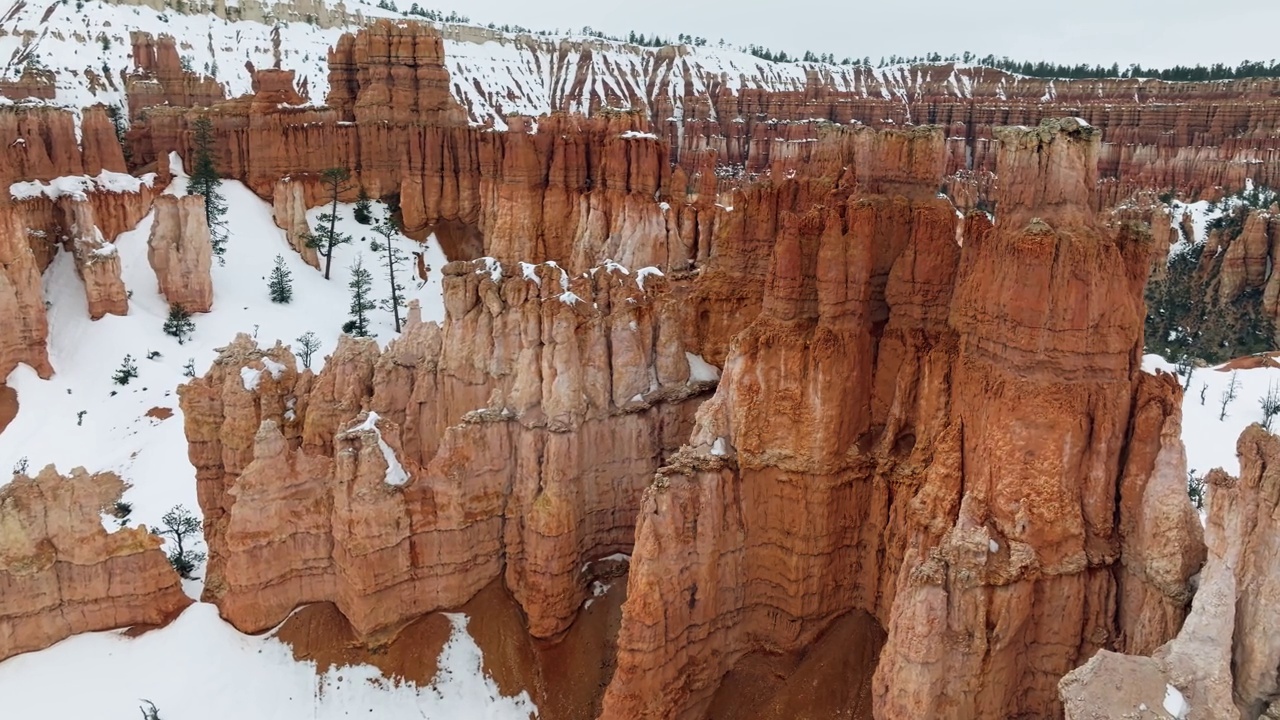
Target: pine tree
x,y
205,181
364,208
127,371
281,282
394,259
361,303
179,324
335,181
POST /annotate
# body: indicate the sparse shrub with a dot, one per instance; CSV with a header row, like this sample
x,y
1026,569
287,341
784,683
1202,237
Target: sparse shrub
x,y
20,467
121,511
80,417
189,370
1229,395
1270,405
363,212
179,324
361,304
149,712
183,528
127,371
1195,489
154,355
281,282
308,343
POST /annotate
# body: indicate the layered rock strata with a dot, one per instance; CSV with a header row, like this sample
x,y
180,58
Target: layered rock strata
x,y
97,262
63,573
21,300
1223,663
180,251
512,442
966,497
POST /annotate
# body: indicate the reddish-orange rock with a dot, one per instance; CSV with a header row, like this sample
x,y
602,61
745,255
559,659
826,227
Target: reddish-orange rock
x,y
968,493
160,80
1223,661
63,573
97,262
578,388
26,326
180,252
289,211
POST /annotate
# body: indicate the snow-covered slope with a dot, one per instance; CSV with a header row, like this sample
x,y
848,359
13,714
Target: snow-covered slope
x,y
255,677
492,73
200,668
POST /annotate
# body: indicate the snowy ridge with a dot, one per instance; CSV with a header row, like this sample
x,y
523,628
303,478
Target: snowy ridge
x,y
76,186
492,74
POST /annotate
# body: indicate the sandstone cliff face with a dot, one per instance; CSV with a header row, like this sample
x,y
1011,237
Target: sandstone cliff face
x,y
160,80
1224,659
43,143
21,300
62,573
967,502
513,442
180,252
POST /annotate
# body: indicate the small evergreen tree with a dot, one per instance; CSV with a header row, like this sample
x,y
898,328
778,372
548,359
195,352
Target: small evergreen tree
x,y
308,343
189,370
363,212
179,324
394,259
281,282
1270,405
334,181
126,372
361,303
205,181
182,526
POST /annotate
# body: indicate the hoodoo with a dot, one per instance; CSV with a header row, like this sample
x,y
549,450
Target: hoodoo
x,y
641,383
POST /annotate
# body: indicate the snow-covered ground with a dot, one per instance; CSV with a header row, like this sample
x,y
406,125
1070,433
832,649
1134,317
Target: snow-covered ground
x,y
200,668
1209,435
492,73
255,677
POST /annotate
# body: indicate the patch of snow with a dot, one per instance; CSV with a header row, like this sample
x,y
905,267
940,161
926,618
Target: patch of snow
x,y
569,298
529,271
107,250
77,187
645,272
250,377
396,474
700,370
1174,703
492,267
273,367
256,677
719,447
993,546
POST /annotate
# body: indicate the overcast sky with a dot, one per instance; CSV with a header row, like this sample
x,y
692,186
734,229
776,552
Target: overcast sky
x,y
1150,32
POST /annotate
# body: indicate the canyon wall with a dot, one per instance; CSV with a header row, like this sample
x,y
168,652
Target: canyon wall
x,y
916,425
62,573
512,442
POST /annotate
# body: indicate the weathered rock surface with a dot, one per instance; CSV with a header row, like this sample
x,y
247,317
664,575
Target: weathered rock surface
x,y
26,325
97,262
180,252
966,497
575,388
62,573
289,211
1224,660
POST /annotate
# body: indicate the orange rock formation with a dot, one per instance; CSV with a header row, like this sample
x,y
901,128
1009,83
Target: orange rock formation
x,y
513,442
180,252
1224,659
62,573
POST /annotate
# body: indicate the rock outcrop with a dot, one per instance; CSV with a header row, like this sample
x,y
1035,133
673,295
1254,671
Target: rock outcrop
x,y
180,251
63,573
289,211
513,442
1223,663
97,261
21,300
966,497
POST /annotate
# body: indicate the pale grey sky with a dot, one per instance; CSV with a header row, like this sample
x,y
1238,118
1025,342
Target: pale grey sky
x,y
1151,32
